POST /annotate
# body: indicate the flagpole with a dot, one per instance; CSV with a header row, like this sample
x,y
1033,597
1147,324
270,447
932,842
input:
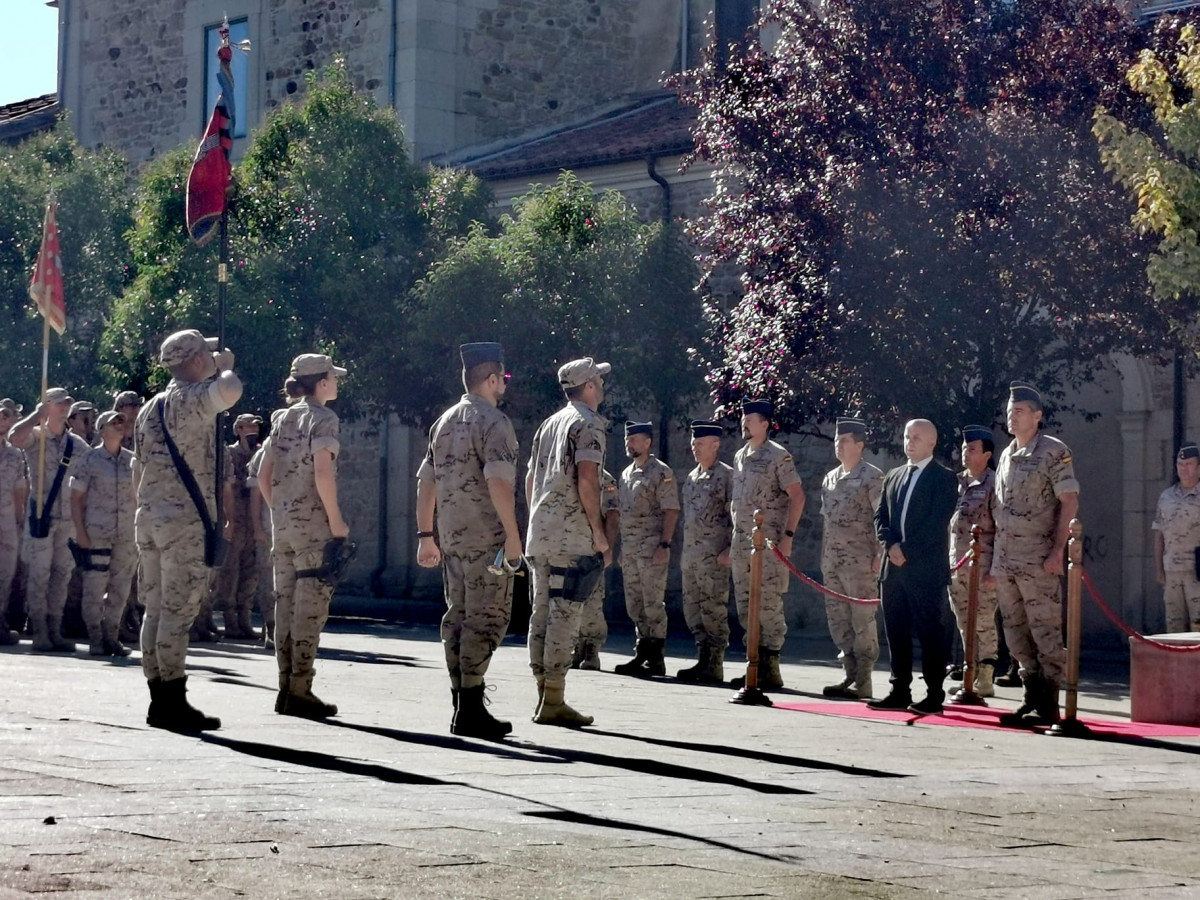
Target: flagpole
x,y
41,427
222,287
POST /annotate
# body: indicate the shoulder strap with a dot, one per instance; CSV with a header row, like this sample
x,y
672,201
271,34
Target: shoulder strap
x,y
184,470
56,485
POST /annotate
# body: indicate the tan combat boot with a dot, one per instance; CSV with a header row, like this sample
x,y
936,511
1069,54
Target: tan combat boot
x,y
983,680
555,711
591,658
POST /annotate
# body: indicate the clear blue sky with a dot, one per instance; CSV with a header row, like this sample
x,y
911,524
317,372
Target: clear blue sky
x,y
29,63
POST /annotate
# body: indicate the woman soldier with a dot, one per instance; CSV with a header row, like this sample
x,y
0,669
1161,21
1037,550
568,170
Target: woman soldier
x,y
298,479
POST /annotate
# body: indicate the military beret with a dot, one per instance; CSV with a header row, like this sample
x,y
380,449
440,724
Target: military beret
x,y
109,415
1189,451
79,406
1019,391
632,428
247,419
126,398
851,425
479,353
977,433
580,371
181,346
314,364
763,407
706,428
10,406
58,395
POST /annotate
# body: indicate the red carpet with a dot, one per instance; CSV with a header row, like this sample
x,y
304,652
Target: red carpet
x,y
983,717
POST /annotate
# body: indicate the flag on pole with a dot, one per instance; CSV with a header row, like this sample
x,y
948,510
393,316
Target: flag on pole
x,y
46,289
208,180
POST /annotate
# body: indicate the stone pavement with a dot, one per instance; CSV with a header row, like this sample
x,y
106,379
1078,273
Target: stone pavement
x,y
673,793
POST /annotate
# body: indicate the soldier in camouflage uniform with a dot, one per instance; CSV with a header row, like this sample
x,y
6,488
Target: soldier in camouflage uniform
x,y
976,500
129,404
593,626
14,492
707,532
298,478
566,532
81,418
850,557
1176,537
764,477
103,506
49,558
649,502
237,582
172,574
1036,498
468,480
260,523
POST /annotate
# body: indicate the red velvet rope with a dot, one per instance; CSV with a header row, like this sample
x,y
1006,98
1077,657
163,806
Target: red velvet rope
x,y
817,586
1129,632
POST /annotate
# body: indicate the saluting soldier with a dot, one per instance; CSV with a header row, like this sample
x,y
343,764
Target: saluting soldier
x,y
707,533
850,557
649,501
14,492
1176,539
49,559
103,507
593,626
764,478
1036,498
237,582
468,481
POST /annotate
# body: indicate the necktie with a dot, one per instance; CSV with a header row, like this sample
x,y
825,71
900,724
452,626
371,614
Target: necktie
x,y
906,488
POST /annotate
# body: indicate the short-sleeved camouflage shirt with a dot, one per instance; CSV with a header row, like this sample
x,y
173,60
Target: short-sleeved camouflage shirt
x,y
707,526
1178,519
297,433
1029,482
645,493
56,448
14,475
470,443
558,525
976,502
848,501
252,483
760,481
108,481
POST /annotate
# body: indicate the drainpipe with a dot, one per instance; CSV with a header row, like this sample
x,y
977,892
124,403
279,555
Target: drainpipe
x,y
392,61
685,15
666,189
382,532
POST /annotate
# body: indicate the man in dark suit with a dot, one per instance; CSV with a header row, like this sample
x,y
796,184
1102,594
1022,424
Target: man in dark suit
x,y
912,523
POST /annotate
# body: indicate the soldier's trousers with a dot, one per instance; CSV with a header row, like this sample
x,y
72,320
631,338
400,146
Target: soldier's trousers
x,y
553,623
265,584
478,606
105,593
237,582
771,620
1181,598
852,625
985,620
593,626
172,582
706,599
10,553
1032,609
301,610
49,574
645,596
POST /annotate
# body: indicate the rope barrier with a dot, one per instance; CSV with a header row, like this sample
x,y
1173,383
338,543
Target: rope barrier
x,y
1125,629
820,588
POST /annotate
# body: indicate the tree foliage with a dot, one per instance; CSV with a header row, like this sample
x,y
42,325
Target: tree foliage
x,y
917,208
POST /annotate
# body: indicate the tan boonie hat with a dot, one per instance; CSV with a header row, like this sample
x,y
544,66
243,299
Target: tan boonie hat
x,y
57,395
79,406
314,364
109,415
581,371
183,345
247,419
8,405
126,398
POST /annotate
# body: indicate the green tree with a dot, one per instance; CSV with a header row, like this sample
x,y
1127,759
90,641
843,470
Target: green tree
x,y
94,212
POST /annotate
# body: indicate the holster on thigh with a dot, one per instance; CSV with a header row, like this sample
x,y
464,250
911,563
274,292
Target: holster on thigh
x,y
578,580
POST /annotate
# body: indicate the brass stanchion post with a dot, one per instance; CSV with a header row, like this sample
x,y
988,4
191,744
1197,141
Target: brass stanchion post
x,y
966,695
750,694
1069,725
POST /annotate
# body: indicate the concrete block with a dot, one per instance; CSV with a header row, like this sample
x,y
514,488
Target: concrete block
x,y
1164,685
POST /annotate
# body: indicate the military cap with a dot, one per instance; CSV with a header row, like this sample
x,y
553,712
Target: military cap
x,y
79,406
1189,451
479,353
109,415
977,433
58,395
181,346
632,428
764,408
850,425
580,371
247,419
9,405
126,398
706,428
314,364
1023,391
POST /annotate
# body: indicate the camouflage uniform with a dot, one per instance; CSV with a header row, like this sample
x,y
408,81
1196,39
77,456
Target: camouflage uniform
x,y
559,533
300,532
49,559
470,443
645,493
760,481
1029,482
172,576
237,581
1178,520
593,626
108,482
265,581
848,553
707,531
976,501
14,479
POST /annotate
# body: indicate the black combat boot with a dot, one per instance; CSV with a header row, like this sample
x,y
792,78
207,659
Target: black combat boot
x,y
635,666
701,669
175,713
472,718
655,664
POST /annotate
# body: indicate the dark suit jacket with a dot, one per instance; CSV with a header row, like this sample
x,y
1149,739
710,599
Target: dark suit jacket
x,y
926,546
